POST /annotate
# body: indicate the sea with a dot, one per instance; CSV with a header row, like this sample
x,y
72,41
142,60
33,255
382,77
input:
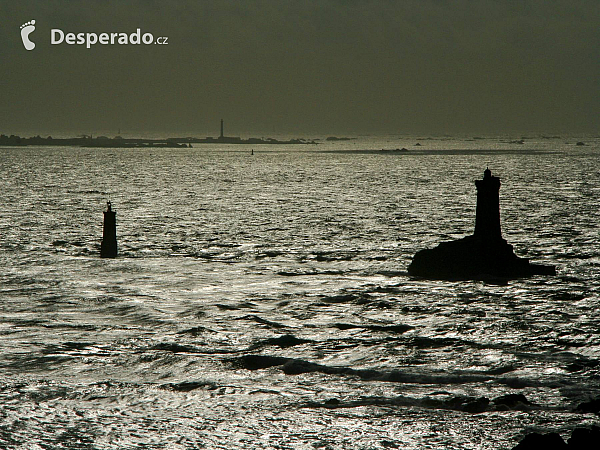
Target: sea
x,y
261,300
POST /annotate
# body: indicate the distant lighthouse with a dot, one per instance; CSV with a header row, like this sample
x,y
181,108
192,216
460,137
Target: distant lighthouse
x,y
108,248
487,214
221,128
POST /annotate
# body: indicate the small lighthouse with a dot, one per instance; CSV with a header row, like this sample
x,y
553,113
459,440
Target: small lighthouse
x,y
487,215
222,135
108,248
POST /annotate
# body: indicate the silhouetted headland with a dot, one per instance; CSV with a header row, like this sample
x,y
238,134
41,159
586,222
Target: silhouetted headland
x,y
108,248
482,255
90,141
120,142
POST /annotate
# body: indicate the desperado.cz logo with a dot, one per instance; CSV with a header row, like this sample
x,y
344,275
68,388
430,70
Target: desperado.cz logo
x,y
26,29
58,36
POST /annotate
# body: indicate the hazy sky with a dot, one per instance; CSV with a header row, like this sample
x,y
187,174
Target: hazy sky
x,y
305,67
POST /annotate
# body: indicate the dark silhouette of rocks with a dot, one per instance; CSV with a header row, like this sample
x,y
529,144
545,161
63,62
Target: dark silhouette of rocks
x,y
334,138
108,248
582,438
483,255
512,402
285,341
537,441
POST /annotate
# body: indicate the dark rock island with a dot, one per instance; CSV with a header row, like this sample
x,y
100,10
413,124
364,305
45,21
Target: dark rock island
x,y
484,254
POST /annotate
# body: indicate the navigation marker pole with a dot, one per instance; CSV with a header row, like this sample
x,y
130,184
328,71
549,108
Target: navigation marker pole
x,y
108,248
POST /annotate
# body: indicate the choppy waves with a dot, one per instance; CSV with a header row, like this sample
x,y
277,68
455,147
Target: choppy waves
x,y
263,301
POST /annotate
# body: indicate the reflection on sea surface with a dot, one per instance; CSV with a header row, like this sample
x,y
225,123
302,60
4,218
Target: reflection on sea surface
x,y
263,299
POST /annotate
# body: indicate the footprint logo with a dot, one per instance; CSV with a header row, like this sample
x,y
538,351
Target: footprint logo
x,y
26,29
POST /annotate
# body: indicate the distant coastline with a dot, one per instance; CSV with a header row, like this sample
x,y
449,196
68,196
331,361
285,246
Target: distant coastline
x,y
119,142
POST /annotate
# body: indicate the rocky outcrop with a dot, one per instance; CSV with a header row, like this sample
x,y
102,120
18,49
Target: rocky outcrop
x,y
582,438
474,258
537,441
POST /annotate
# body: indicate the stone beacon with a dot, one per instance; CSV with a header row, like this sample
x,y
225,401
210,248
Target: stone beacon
x,y
484,254
108,248
487,214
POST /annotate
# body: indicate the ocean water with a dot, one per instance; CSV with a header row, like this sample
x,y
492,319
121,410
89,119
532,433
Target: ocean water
x,y
262,301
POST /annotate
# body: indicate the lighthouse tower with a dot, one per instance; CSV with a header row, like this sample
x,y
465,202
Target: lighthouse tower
x,y
487,215
479,256
108,248
221,129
